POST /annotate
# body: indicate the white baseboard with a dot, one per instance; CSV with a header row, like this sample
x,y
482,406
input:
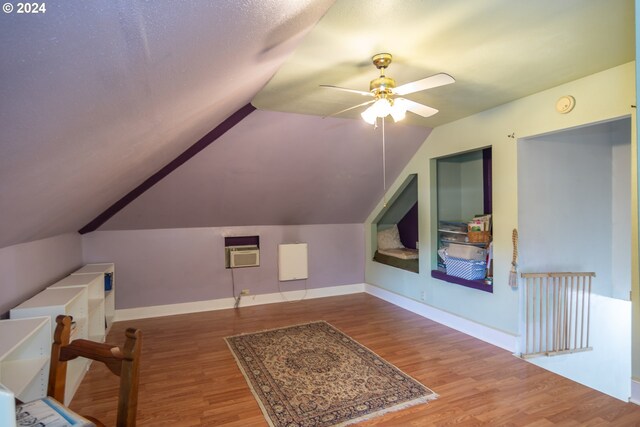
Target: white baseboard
x,y
492,336
224,303
476,330
635,391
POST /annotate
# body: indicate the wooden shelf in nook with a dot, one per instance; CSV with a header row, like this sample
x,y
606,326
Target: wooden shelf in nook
x,y
475,284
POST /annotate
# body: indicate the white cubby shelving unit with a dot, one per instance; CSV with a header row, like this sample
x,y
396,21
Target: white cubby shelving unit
x,y
94,283
106,269
52,302
25,350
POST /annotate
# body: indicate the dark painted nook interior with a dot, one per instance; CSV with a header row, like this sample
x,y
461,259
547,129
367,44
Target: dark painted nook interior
x,y
464,192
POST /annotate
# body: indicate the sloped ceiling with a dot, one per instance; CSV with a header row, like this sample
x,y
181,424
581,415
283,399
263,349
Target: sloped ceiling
x,y
277,168
497,50
98,95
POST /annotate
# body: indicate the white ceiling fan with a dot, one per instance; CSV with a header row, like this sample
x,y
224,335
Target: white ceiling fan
x,y
386,95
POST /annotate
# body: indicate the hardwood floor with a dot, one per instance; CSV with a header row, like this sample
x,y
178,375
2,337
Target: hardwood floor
x,y
189,377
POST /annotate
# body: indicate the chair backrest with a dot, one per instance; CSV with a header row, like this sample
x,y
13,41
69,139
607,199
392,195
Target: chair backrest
x,y
122,362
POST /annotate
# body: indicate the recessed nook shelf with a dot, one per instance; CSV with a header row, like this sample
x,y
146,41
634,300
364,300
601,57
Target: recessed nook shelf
x,y
474,284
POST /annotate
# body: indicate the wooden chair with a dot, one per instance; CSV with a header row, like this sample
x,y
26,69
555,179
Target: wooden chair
x,y
124,363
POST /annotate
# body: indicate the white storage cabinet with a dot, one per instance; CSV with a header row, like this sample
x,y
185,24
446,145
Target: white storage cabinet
x,y
25,350
105,269
55,301
94,283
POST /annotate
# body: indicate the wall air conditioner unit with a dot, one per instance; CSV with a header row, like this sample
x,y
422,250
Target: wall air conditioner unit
x,y
244,256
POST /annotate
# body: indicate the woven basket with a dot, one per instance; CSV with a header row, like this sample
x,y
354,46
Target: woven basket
x,y
479,236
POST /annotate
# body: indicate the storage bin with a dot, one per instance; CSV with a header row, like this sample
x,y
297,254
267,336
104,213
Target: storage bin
x,y
465,268
479,236
467,252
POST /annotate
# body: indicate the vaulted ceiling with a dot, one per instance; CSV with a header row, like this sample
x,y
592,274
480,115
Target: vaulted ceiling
x,y
95,97
98,95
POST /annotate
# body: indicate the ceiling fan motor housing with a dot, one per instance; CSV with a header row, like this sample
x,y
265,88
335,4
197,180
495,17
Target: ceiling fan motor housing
x,y
382,84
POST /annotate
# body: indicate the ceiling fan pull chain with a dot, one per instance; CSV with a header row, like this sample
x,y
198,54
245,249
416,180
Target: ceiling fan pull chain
x,y
384,170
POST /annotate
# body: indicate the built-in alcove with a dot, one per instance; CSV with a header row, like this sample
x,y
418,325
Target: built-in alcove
x,y
574,204
395,228
462,188
575,199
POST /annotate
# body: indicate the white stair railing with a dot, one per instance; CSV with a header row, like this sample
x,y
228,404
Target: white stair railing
x,y
557,309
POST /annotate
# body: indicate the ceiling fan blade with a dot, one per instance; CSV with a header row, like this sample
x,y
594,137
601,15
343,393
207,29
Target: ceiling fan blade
x,y
351,108
419,109
344,89
436,80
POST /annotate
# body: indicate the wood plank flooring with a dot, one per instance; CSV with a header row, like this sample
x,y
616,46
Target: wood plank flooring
x,y
190,378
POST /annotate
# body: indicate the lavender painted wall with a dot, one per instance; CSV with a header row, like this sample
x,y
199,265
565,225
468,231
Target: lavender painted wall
x,y
27,268
168,266
277,169
408,227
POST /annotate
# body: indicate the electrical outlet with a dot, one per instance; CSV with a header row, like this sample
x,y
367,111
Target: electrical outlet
x,y
244,292
422,296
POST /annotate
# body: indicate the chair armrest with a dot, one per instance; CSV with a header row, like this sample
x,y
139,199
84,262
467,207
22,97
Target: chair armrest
x,y
108,354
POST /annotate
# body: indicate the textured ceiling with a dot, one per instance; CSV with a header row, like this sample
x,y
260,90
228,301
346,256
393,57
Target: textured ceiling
x,y
98,95
497,50
277,168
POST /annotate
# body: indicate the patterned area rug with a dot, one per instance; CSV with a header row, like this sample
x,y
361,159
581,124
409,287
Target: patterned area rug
x,y
313,375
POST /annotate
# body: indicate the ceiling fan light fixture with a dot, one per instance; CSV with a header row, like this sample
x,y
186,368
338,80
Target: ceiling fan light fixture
x,y
398,113
382,107
386,94
398,110
369,116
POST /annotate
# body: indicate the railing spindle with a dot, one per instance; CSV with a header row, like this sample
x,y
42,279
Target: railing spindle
x,y
589,311
540,324
526,313
582,316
